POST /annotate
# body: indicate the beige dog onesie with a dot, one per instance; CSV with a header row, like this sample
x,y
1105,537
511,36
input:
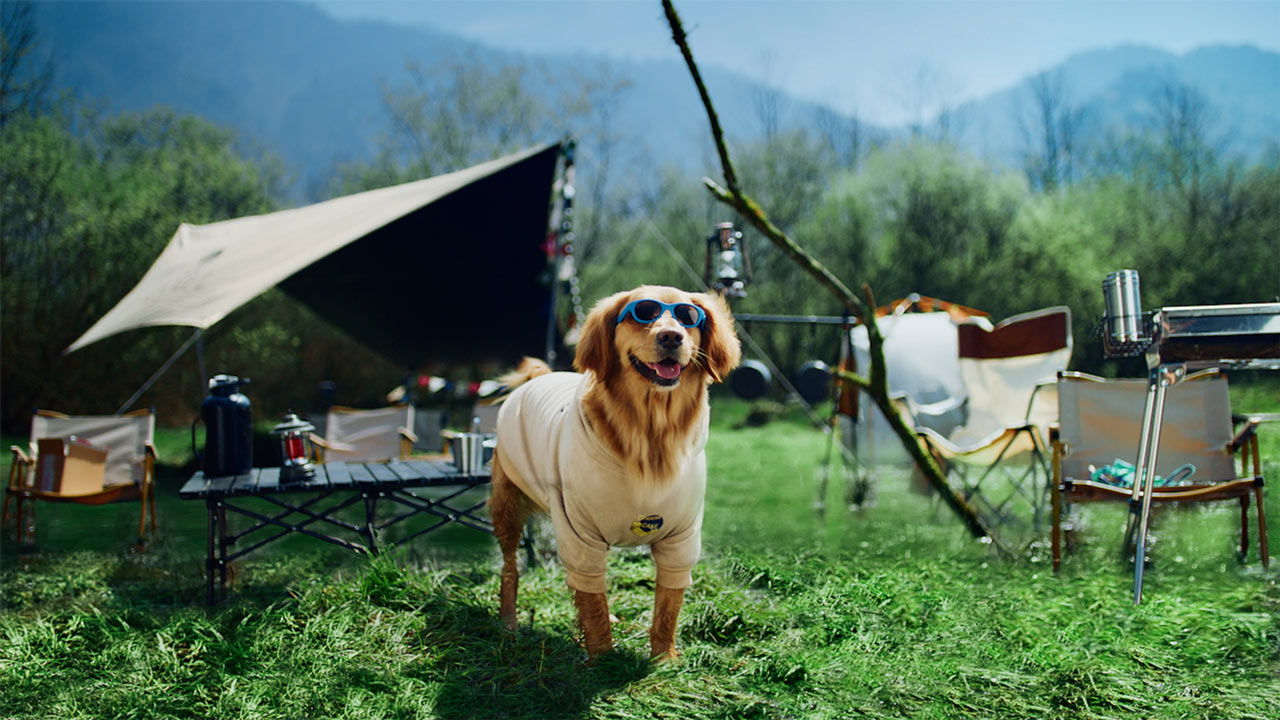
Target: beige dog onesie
x,y
549,451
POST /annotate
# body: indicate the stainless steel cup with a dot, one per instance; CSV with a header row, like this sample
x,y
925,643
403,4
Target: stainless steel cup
x,y
471,451
1120,291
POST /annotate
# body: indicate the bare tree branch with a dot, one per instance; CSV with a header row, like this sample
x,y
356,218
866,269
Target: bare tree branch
x,y
877,385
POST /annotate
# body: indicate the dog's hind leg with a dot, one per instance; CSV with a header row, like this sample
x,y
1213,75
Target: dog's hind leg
x,y
509,507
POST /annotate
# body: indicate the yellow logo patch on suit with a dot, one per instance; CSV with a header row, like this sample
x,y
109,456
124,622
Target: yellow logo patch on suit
x,y
646,525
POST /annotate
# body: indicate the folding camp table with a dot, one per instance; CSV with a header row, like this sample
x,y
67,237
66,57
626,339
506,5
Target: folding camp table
x,y
309,507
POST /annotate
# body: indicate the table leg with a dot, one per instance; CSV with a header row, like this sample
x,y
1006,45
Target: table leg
x,y
210,560
222,551
370,517
1145,472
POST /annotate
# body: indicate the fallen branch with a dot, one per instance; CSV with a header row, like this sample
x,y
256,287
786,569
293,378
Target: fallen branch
x,y
877,385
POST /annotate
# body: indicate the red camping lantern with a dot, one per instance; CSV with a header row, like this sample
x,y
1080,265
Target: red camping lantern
x,y
293,435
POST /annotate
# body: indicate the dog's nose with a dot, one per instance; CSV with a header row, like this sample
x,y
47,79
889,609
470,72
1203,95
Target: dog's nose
x,y
669,339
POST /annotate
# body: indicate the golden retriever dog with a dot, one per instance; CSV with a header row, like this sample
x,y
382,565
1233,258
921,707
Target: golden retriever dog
x,y
614,452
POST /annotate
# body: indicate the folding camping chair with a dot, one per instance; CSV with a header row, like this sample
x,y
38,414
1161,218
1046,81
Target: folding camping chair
x,y
921,357
1000,454
85,459
366,435
1101,422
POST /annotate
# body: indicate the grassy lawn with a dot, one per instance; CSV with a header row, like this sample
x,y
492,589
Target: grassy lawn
x,y
886,611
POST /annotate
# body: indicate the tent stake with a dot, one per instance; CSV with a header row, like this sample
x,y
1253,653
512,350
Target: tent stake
x,y
167,364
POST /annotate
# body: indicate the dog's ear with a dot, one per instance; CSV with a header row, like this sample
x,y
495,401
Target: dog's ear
x,y
720,347
595,351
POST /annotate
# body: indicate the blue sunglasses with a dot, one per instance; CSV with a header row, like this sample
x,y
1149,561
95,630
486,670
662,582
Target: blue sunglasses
x,y
647,311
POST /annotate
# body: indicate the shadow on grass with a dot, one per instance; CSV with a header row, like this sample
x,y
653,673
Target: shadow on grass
x,y
532,673
478,668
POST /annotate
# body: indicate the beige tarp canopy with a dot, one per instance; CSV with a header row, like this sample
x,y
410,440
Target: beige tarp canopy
x,y
364,261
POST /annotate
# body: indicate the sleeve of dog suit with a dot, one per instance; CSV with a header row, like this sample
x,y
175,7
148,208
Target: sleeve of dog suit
x,y
583,555
676,554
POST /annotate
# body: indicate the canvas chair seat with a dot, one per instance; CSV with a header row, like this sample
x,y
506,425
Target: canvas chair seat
x,y
124,460
985,451
374,435
1101,422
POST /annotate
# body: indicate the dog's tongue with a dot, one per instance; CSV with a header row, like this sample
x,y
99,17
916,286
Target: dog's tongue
x,y
667,369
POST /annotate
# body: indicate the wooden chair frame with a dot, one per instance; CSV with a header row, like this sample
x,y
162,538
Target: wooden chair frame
x,y
1245,487
21,487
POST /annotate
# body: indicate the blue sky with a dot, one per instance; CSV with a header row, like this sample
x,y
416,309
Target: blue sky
x,y
879,59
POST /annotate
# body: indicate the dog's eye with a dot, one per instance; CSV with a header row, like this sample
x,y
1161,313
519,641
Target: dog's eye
x,y
686,314
647,310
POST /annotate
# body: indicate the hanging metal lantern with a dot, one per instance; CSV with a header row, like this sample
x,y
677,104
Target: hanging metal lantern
x,y
293,436
728,266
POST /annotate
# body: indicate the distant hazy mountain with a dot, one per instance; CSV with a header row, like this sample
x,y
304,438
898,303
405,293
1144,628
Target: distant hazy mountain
x,y
286,74
308,86
1115,89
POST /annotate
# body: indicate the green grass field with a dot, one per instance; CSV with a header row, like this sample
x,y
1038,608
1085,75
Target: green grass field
x,y
888,611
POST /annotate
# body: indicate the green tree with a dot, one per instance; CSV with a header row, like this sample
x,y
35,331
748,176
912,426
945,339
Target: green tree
x,y
24,78
1051,132
84,216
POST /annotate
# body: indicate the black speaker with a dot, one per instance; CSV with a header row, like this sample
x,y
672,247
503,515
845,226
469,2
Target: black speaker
x,y
813,381
751,380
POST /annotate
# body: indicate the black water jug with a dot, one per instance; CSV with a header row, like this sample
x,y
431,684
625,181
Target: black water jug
x,y
228,426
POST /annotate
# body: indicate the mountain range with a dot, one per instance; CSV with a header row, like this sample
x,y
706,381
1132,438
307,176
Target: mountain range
x,y
309,86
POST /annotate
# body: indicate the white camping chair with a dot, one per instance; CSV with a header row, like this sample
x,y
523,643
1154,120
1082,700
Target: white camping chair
x,y
1101,423
1000,454
366,435
85,459
920,352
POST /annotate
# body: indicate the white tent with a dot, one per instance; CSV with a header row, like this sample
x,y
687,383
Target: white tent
x,y
207,271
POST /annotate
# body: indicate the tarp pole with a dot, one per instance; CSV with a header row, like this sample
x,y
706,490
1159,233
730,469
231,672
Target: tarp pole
x,y
204,374
562,232
168,364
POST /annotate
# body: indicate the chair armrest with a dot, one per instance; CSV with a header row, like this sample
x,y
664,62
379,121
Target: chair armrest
x,y
1043,386
19,455
1249,430
407,439
318,446
149,465
21,462
917,410
319,442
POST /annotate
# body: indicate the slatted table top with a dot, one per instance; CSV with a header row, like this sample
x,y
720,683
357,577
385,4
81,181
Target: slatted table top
x,y
332,476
